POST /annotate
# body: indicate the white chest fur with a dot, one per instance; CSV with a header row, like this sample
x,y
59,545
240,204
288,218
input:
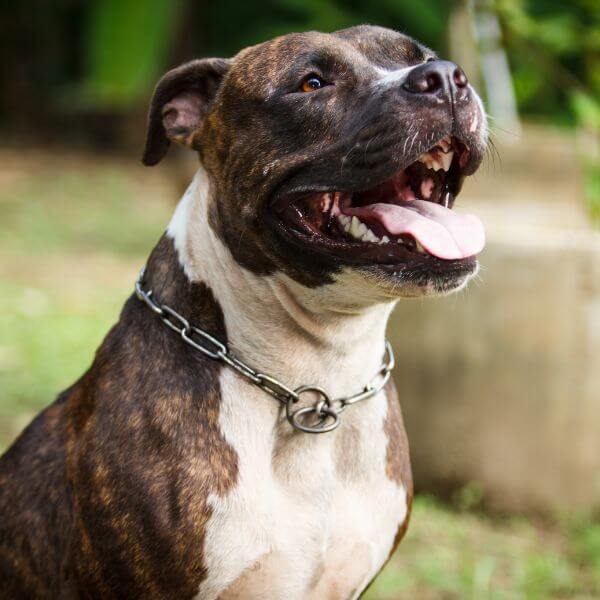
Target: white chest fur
x,y
313,516
310,516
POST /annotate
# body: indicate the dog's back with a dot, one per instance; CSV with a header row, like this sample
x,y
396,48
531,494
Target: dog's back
x,y
35,507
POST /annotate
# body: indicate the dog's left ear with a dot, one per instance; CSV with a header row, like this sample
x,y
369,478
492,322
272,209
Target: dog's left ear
x,y
181,100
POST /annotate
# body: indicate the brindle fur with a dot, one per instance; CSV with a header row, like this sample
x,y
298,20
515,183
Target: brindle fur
x,y
106,493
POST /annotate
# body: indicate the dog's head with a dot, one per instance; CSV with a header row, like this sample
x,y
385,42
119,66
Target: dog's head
x,y
331,154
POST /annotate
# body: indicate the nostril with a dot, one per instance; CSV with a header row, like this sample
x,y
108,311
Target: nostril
x,y
427,84
435,77
459,77
433,81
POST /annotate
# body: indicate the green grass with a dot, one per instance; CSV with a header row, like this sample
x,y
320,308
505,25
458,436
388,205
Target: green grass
x,y
448,553
73,235
71,240
48,340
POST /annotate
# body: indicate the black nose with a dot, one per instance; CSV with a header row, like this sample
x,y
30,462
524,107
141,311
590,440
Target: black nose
x,y
435,77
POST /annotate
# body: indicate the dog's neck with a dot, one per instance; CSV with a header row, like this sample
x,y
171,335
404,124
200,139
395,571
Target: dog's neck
x,y
324,336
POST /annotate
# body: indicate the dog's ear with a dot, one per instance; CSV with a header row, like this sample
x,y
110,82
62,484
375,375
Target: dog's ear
x,y
181,100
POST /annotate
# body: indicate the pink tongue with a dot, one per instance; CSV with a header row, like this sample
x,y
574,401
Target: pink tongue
x,y
441,231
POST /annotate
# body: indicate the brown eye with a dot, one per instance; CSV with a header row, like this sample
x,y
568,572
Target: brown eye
x,y
311,84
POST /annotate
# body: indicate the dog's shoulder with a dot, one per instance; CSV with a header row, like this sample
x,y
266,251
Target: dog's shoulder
x,y
149,452
136,446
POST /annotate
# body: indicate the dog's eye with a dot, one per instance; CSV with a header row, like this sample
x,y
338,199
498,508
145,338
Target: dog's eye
x,y
312,83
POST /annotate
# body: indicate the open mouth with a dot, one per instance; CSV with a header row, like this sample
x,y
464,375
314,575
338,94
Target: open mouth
x,y
408,216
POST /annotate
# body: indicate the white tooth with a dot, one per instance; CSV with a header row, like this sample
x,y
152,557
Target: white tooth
x,y
437,165
447,160
385,240
419,247
368,235
357,228
428,162
344,222
371,237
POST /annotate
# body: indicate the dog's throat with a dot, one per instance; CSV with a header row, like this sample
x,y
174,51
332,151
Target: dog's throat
x,y
321,416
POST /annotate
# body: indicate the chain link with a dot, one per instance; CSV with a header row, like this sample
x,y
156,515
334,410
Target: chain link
x,y
324,413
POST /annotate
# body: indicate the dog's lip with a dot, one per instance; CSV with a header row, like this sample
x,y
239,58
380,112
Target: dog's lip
x,y
360,254
425,229
285,194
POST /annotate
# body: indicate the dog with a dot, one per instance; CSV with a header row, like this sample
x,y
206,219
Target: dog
x,y
238,435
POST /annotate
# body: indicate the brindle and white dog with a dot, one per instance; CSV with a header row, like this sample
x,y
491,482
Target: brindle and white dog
x,y
329,167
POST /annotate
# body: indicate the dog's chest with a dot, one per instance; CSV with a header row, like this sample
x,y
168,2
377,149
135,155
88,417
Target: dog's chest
x,y
310,516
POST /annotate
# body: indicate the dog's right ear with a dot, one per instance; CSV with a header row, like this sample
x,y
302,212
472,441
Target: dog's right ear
x,y
181,100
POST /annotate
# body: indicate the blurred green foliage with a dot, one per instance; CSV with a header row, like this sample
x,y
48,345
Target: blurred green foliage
x,y
125,43
235,24
554,50
554,47
110,52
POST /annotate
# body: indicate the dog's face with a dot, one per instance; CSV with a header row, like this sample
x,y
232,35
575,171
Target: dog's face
x,y
333,153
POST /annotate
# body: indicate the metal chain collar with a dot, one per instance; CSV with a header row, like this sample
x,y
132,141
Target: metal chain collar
x,y
322,416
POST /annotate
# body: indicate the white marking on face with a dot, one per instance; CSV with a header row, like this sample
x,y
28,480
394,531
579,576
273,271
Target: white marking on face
x,y
482,114
396,77
474,123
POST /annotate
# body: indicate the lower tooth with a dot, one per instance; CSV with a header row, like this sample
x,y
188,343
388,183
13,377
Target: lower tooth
x,y
355,227
345,222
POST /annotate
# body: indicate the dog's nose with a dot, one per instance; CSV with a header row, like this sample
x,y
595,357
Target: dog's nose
x,y
435,77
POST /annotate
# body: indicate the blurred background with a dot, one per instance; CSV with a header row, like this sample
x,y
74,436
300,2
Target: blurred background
x,y
500,385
